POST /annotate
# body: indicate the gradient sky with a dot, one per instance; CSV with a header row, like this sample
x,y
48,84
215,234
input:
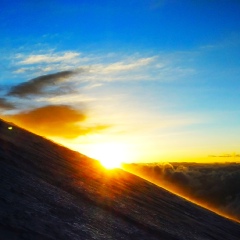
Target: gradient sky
x,y
146,80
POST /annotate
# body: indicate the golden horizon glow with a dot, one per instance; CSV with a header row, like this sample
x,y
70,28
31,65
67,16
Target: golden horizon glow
x,y
136,148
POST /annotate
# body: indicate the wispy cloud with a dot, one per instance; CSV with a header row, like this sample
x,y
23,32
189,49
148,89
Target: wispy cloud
x,y
103,67
45,62
124,66
226,155
48,58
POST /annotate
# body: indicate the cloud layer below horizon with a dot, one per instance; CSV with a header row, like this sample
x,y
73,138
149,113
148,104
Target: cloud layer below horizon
x,y
215,185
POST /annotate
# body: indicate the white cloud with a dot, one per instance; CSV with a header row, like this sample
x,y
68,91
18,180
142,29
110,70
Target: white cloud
x,y
127,66
21,70
73,98
49,58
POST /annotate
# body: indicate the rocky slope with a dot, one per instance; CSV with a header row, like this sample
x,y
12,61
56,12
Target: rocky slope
x,y
50,192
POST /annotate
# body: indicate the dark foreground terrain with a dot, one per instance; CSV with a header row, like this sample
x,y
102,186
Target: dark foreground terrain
x,y
50,192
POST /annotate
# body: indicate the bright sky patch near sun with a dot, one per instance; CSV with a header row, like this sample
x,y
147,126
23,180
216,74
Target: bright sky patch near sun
x,y
149,80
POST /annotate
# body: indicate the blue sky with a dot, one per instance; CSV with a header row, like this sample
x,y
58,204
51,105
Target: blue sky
x,y
158,80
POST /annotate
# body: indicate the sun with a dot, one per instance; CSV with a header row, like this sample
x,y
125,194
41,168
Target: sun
x,y
111,155
111,164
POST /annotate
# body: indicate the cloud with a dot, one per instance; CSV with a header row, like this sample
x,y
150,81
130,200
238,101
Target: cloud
x,y
4,104
126,66
49,58
37,85
55,121
226,155
106,67
215,185
48,61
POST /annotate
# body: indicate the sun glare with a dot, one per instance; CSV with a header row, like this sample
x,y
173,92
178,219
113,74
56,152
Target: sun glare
x,y
111,155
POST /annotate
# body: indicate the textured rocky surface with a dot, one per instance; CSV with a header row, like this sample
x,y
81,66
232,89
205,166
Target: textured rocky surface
x,y
50,192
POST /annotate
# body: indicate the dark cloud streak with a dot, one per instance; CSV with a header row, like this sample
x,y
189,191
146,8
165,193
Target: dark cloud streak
x,y
37,85
4,104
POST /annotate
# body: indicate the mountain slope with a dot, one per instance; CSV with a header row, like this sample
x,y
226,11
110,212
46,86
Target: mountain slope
x,y
50,192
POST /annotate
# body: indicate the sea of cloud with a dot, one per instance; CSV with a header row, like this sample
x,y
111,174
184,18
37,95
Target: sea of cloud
x,y
215,185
